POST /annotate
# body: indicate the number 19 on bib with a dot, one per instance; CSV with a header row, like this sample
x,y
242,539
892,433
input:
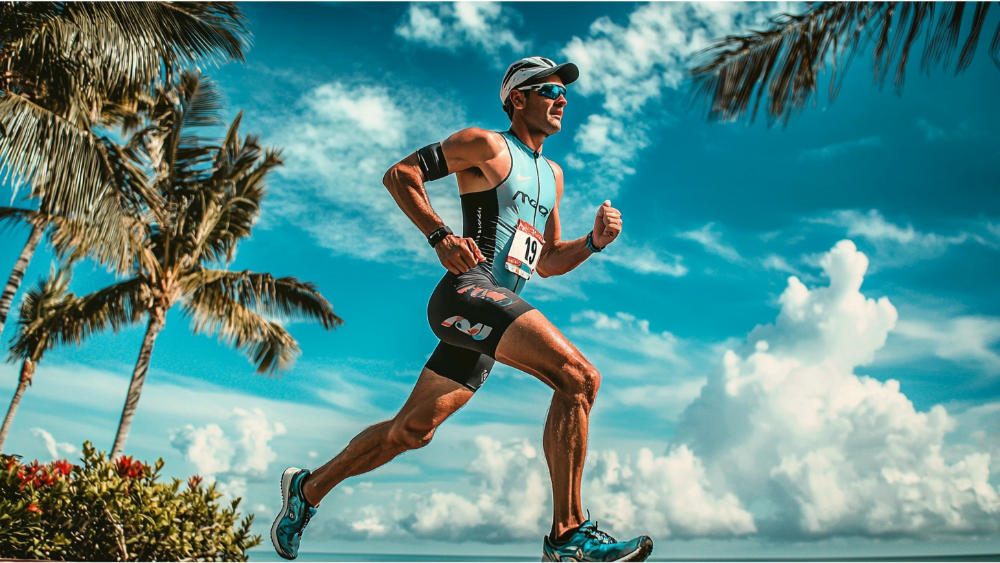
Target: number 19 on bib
x,y
525,250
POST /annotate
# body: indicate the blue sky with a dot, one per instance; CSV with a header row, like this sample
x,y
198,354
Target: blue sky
x,y
799,331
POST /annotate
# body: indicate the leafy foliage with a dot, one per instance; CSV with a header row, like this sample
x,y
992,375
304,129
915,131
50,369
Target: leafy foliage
x,y
114,511
782,64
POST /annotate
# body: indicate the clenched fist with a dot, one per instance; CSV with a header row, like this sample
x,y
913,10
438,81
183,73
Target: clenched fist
x,y
607,225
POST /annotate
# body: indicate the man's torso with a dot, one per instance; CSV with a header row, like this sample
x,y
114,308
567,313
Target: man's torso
x,y
491,215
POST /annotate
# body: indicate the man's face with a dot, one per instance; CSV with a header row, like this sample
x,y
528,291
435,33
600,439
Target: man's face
x,y
540,113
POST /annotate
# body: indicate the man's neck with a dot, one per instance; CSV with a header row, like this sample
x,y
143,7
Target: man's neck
x,y
531,139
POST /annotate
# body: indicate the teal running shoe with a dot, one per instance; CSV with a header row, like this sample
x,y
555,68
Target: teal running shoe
x,y
588,543
294,515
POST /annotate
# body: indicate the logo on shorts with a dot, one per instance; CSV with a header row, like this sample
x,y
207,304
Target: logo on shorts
x,y
487,294
479,332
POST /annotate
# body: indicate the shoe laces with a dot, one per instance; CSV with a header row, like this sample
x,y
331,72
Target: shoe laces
x,y
603,537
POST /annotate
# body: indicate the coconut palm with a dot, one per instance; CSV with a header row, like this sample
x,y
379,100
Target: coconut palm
x,y
212,194
68,69
783,63
43,304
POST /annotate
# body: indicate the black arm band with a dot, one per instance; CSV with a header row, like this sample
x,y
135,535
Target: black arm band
x,y
432,164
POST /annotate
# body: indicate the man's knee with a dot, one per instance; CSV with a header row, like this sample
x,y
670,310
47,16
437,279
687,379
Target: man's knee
x,y
584,380
411,434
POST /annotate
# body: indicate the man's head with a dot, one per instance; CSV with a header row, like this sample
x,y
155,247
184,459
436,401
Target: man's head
x,y
537,108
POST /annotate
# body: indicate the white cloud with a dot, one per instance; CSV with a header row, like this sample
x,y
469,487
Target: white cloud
x,y
338,143
645,259
712,241
775,262
835,150
56,449
894,245
233,458
510,502
787,425
626,334
931,132
630,66
451,26
962,338
663,496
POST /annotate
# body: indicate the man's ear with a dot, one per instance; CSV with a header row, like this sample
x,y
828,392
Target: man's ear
x,y
518,99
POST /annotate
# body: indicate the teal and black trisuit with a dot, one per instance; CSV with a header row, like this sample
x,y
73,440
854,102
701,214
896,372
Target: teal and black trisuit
x,y
469,312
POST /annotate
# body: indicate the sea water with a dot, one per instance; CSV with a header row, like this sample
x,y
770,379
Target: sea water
x,y
338,558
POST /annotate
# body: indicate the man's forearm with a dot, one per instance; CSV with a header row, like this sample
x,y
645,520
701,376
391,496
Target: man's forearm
x,y
407,188
564,257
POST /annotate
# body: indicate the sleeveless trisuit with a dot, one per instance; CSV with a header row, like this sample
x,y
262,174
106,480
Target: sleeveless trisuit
x,y
470,312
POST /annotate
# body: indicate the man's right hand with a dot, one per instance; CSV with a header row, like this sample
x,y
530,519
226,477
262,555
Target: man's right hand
x,y
458,254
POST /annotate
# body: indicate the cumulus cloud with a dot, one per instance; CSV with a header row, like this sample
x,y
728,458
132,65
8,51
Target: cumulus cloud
x,y
510,502
338,143
56,449
234,457
665,496
451,26
835,150
629,66
787,424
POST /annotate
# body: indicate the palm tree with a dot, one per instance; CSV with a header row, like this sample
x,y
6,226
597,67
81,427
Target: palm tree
x,y
212,196
69,68
783,63
43,304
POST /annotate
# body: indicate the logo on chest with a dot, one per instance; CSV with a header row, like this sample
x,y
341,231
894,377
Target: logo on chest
x,y
525,198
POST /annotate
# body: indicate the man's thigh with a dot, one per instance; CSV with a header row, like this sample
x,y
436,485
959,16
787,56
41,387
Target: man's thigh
x,y
433,399
534,345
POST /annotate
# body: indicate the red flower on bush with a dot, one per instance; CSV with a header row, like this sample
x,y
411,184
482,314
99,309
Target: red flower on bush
x,y
194,481
11,463
34,508
129,469
61,467
36,474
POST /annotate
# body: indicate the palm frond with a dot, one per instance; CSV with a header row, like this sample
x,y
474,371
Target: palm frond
x,y
50,315
10,216
782,64
40,314
214,311
284,298
114,51
64,164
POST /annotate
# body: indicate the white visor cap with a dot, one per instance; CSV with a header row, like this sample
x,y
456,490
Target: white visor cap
x,y
535,67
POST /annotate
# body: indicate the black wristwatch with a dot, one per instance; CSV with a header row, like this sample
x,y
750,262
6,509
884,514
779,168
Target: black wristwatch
x,y
438,235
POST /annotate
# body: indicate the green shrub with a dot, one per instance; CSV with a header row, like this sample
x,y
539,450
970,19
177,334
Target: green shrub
x,y
114,511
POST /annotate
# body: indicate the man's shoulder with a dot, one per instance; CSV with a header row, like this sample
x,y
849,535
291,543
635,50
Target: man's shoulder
x,y
484,142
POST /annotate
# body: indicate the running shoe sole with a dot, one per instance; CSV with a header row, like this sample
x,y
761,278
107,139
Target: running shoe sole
x,y
286,486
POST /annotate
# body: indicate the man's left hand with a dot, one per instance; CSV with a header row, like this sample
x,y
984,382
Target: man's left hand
x,y
607,225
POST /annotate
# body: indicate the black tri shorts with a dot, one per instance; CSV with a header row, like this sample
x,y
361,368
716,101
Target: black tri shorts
x,y
469,312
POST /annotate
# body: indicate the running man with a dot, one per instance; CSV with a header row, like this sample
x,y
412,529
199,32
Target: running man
x,y
509,194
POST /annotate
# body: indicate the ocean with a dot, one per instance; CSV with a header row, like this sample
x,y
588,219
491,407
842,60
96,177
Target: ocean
x,y
346,558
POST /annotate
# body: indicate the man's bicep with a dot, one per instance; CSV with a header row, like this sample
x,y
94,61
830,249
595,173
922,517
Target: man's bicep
x,y
468,148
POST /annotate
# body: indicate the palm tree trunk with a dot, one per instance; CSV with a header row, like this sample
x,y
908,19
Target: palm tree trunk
x,y
138,378
27,370
18,274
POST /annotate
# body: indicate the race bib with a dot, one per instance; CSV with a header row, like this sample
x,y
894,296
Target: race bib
x,y
525,250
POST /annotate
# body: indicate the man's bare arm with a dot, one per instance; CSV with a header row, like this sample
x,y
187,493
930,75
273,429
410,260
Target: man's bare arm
x,y
558,256
405,181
